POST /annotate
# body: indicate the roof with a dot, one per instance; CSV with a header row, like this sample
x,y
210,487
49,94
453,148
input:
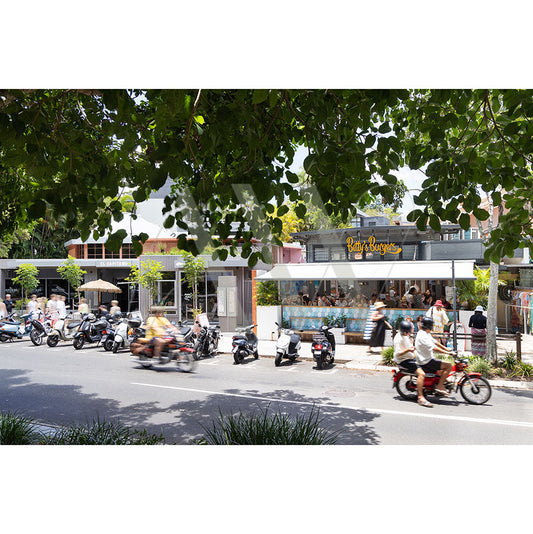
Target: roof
x,y
132,227
372,270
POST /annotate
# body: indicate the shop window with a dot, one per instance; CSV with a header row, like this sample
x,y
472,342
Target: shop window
x,y
80,251
337,253
110,254
320,253
127,251
94,250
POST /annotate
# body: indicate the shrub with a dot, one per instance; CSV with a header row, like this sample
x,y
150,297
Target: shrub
x,y
387,356
16,429
509,361
267,293
102,433
268,429
522,370
480,365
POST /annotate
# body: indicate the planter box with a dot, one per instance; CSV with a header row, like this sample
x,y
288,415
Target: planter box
x,y
267,316
339,337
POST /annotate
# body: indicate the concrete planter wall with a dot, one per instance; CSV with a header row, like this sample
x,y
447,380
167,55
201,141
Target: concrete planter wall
x,y
267,316
339,338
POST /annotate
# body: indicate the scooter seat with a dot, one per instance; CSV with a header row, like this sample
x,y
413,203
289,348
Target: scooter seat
x,y
185,330
73,325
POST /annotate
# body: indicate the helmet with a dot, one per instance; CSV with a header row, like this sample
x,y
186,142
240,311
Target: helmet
x,y
404,327
91,317
427,322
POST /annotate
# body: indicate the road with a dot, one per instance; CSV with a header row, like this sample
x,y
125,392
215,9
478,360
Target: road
x,y
65,386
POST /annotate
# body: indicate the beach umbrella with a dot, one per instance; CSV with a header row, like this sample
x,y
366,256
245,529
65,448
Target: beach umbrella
x,y
101,286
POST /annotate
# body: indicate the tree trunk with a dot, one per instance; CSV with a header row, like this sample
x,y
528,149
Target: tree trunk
x,y
492,313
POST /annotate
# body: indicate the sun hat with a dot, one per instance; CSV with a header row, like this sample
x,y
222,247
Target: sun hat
x,y
379,305
439,303
479,308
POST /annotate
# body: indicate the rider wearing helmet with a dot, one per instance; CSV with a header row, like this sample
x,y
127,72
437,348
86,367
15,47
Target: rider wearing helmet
x,y
425,345
404,356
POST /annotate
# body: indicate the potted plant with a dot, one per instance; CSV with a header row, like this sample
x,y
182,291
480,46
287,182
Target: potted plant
x,y
338,322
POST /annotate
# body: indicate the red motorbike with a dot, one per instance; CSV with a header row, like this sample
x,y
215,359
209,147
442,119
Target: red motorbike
x,y
177,350
473,387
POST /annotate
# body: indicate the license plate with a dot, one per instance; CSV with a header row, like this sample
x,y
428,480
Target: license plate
x,y
317,353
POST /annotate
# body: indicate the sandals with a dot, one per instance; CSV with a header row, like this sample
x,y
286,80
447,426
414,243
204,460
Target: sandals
x,y
442,393
425,403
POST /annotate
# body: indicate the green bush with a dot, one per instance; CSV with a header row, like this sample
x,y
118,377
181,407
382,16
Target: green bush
x,y
267,293
16,429
509,361
268,429
387,356
522,370
480,365
101,433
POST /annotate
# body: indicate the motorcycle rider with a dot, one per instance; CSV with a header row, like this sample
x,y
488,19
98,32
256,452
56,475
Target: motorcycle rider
x,y
156,327
404,356
425,345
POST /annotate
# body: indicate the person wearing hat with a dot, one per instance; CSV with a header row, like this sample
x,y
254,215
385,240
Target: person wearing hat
x,y
380,325
440,320
478,329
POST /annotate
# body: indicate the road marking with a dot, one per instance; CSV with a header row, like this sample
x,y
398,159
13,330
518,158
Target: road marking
x,y
503,422
215,362
288,370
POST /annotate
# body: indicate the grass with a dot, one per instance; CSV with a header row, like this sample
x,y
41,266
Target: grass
x,y
266,428
15,429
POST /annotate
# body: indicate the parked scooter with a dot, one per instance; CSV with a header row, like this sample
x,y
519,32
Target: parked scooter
x,y
473,387
126,332
206,341
244,343
287,345
41,327
177,350
63,330
323,347
11,329
90,331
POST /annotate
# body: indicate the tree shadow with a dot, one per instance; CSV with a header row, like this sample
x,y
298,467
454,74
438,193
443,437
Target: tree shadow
x,y
68,404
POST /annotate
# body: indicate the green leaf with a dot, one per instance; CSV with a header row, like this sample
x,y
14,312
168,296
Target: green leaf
x,y
480,214
464,221
282,210
434,222
259,95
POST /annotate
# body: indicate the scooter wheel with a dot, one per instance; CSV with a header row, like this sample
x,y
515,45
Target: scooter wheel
x,y
36,337
4,338
78,343
256,354
108,345
238,357
278,358
319,362
52,340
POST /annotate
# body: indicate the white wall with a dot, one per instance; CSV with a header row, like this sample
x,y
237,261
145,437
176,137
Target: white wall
x,y
267,316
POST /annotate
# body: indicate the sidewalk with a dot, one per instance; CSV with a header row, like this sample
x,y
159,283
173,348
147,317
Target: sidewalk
x,y
354,356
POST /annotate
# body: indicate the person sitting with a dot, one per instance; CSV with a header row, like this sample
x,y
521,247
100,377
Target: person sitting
x,y
404,356
114,307
156,328
83,307
425,346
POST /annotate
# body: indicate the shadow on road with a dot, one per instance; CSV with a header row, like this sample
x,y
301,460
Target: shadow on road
x,y
68,404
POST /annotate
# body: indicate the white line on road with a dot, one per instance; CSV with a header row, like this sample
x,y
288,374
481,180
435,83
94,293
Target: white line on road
x,y
330,372
504,422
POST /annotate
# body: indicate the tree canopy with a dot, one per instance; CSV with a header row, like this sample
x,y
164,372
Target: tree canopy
x,y
76,153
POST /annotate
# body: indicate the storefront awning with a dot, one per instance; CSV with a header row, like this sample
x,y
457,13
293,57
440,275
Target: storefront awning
x,y
383,270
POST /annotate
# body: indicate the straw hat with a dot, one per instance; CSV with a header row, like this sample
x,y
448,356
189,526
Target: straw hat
x,y
378,305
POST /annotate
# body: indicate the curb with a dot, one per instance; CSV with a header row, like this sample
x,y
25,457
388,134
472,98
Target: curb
x,y
351,364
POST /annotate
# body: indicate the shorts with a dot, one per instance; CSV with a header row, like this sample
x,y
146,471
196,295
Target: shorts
x,y
432,366
409,365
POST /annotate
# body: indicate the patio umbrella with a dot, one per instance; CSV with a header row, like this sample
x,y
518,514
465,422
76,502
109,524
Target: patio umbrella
x,y
101,286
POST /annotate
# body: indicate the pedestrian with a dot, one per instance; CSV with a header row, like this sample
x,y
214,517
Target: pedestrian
x,y
9,303
114,307
61,306
83,307
440,320
478,329
51,306
32,305
377,339
3,309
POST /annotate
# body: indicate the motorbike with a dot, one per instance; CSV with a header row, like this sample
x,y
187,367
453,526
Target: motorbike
x,y
41,327
177,350
11,329
473,387
244,343
90,330
62,331
287,345
323,347
108,335
206,341
126,332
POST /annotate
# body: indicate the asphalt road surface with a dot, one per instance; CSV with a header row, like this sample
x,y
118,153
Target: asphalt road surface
x,y
63,386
